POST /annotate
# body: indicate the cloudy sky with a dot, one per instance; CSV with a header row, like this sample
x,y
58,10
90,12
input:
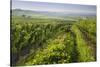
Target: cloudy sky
x,y
53,7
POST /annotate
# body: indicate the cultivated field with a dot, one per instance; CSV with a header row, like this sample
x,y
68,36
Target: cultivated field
x,y
37,40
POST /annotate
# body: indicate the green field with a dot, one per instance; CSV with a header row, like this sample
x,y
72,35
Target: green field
x,y
36,41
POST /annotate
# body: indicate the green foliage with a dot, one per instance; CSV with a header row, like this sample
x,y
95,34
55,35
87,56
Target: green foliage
x,y
51,41
85,53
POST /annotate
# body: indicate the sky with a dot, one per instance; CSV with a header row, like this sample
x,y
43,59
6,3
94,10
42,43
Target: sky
x,y
53,7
